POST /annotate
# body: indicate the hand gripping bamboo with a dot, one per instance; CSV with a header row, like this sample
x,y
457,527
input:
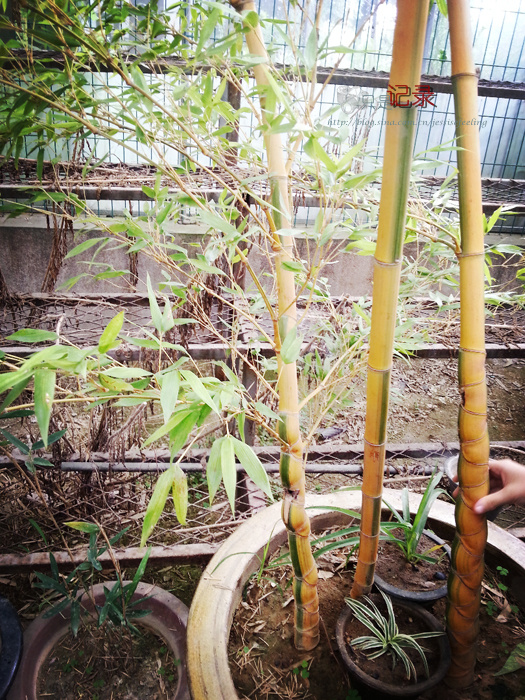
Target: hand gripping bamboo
x,y
407,57
471,529
291,465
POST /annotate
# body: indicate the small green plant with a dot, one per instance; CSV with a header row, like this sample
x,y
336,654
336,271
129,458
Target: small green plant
x,y
302,669
502,572
412,530
118,609
353,694
385,637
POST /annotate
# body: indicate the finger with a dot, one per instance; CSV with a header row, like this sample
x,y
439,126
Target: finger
x,y
490,502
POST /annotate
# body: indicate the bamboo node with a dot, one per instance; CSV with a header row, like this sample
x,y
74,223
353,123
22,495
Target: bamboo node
x,y
379,371
396,263
464,75
374,444
469,255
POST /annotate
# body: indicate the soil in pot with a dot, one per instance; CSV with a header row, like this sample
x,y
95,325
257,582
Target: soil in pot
x,y
265,665
107,663
422,576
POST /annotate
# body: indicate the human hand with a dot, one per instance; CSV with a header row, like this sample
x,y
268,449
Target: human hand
x,y
507,485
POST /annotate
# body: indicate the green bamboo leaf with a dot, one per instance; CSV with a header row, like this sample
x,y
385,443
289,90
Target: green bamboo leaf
x,y
167,318
180,496
442,7
148,191
217,222
85,245
515,661
310,50
24,449
126,372
32,335
111,332
252,465
83,526
180,433
291,347
15,392
130,588
213,468
169,393
41,533
313,148
43,395
167,427
40,164
229,470
292,266
157,503
156,315
207,30
199,388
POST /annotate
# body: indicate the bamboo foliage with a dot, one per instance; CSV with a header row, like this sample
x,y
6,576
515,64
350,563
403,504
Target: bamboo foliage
x,y
471,529
285,325
407,57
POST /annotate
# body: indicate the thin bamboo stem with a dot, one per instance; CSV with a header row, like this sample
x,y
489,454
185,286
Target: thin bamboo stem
x,y
407,58
291,462
467,565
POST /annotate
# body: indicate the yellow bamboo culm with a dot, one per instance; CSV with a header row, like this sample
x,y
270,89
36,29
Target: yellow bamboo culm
x,y
291,463
407,57
471,529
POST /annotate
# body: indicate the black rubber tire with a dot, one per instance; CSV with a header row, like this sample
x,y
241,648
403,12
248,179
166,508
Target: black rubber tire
x,y
12,641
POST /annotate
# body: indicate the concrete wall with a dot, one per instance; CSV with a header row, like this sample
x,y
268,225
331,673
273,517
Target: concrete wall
x,y
26,245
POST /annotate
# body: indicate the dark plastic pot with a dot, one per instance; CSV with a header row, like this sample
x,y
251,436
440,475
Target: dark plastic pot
x,y
168,619
11,636
373,688
421,597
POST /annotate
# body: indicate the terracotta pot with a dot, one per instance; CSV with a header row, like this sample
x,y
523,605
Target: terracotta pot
x,y
11,636
220,587
374,688
168,619
424,596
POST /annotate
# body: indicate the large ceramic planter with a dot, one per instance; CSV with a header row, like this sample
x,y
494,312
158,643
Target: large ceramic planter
x,y
422,597
168,619
382,688
220,588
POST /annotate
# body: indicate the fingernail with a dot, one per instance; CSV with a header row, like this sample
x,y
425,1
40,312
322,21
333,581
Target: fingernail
x,y
478,508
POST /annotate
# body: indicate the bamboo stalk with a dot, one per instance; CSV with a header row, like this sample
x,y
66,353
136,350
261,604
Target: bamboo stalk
x,y
407,58
471,529
291,461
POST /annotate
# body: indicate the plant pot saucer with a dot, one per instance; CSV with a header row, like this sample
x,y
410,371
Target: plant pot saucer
x,y
377,689
423,597
168,619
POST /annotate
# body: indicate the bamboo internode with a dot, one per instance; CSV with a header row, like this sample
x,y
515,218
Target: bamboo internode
x,y
291,462
399,138
471,529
